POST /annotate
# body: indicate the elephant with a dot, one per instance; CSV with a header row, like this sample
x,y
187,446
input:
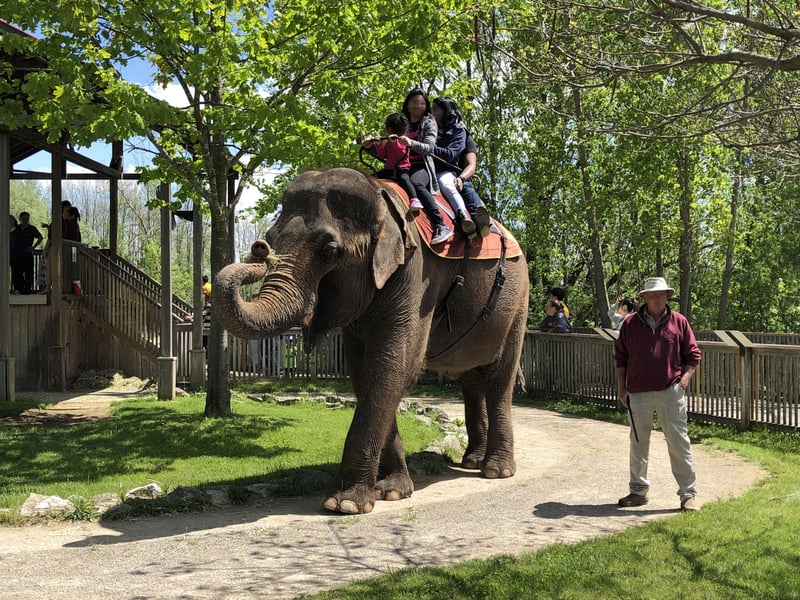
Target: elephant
x,y
344,253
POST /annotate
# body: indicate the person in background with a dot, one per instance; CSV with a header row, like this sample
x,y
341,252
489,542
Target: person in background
x,y
12,243
290,359
655,356
43,272
619,311
560,294
72,231
206,287
421,139
206,323
554,321
65,206
27,239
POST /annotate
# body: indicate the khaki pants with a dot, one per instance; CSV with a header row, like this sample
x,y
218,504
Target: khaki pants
x,y
670,406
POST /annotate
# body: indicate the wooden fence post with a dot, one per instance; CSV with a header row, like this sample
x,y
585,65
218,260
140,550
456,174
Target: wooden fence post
x,y
746,366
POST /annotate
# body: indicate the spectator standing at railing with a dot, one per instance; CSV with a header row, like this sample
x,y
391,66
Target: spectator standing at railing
x,y
555,321
290,358
206,287
43,272
656,355
619,311
72,229
27,239
12,243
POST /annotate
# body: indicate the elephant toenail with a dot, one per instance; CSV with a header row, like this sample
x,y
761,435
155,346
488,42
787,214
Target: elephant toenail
x,y
349,507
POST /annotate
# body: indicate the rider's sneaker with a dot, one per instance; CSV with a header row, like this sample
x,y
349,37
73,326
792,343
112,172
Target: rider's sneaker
x,y
483,221
415,205
465,224
440,235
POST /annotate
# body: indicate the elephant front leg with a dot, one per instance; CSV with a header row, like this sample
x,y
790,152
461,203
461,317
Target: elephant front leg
x,y
373,468
373,462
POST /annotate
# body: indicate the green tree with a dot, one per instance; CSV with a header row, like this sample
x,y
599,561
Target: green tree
x,y
288,82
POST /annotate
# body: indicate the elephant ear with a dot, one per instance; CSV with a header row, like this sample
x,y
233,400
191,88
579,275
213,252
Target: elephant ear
x,y
392,242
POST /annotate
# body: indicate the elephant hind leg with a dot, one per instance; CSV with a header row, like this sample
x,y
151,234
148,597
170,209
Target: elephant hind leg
x,y
487,409
473,388
394,481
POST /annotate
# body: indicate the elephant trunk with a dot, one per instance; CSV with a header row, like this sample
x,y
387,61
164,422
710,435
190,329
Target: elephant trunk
x,y
280,304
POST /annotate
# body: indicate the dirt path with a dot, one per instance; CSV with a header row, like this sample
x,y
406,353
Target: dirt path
x,y
570,473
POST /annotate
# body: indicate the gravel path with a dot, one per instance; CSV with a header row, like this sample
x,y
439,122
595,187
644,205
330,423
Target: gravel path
x,y
570,473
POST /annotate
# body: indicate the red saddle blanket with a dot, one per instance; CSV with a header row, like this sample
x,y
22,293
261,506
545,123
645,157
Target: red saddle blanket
x,y
480,248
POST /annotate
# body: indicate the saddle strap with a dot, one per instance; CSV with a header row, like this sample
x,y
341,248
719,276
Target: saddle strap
x,y
458,282
499,281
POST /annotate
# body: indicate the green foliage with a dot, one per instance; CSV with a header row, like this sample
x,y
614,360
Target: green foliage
x,y
85,509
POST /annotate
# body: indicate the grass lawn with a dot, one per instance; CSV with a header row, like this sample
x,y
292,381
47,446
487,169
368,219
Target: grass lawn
x,y
745,548
173,444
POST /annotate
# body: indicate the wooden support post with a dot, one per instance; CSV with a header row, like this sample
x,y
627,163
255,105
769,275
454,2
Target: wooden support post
x,y
7,365
167,363
197,365
746,372
7,380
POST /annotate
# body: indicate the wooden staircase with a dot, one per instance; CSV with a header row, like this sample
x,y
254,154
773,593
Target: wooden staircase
x,y
120,298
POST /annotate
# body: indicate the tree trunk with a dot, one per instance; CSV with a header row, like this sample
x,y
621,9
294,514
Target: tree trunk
x,y
218,392
597,269
730,244
687,240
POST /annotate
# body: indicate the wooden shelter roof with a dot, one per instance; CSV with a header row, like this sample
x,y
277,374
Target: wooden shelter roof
x,y
26,142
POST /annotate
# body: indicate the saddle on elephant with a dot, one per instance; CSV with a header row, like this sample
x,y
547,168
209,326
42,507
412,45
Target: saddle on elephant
x,y
480,248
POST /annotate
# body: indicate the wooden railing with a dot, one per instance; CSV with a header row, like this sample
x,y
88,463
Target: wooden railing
x,y
121,295
258,359
740,380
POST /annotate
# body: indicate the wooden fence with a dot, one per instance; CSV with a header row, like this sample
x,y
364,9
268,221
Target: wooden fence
x,y
743,378
277,356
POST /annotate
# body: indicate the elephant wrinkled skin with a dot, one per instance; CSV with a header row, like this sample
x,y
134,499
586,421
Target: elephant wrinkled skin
x,y
345,253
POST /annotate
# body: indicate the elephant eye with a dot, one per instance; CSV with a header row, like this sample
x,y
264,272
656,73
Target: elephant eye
x,y
339,205
331,252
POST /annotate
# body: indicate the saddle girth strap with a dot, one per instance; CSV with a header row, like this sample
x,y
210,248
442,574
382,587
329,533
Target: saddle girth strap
x,y
499,281
458,282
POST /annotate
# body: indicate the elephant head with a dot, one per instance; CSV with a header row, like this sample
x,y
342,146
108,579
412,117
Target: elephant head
x,y
339,238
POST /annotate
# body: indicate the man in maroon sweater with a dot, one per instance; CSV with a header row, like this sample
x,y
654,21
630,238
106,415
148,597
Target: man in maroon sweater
x,y
656,355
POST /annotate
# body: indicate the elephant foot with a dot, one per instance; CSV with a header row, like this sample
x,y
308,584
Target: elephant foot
x,y
359,499
497,468
472,460
394,487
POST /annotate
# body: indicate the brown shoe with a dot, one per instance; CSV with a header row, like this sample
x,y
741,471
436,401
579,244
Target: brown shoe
x,y
690,504
633,500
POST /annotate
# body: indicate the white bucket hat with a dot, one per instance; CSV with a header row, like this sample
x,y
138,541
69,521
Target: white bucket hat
x,y
657,284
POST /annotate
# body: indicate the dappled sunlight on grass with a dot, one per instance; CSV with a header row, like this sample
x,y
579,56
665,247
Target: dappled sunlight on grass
x,y
173,444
